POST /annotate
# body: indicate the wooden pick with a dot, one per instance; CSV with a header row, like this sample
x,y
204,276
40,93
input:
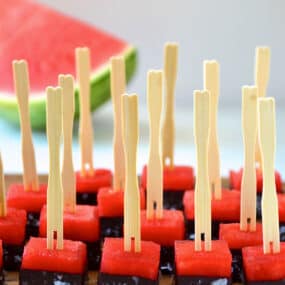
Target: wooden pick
x,y
267,138
85,124
3,204
132,227
54,192
154,168
212,84
202,187
118,86
262,70
66,82
248,184
21,85
168,127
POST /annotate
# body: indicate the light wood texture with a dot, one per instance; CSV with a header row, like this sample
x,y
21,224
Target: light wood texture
x,y
154,167
21,85
66,82
248,184
202,186
3,206
262,71
130,127
85,124
267,137
118,87
54,192
212,84
168,127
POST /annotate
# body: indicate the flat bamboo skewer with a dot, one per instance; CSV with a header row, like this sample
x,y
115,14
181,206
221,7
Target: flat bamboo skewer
x,y
212,84
22,89
66,82
168,127
248,184
262,71
3,204
85,124
269,203
118,87
155,167
202,187
54,193
130,128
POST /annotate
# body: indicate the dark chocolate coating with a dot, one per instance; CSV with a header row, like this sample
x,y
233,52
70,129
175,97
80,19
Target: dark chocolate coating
x,y
94,255
198,280
32,226
111,227
276,282
37,277
2,279
190,229
258,206
12,257
166,260
86,198
237,266
109,279
173,199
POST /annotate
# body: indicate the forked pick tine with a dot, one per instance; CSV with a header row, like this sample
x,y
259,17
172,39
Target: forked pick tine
x,y
54,192
154,168
202,187
267,136
21,85
3,206
132,227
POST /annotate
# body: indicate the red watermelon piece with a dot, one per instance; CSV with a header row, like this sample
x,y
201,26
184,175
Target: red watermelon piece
x,y
82,225
47,39
31,201
111,203
176,178
236,177
143,264
238,239
71,259
91,183
164,231
281,207
13,227
225,210
214,263
263,267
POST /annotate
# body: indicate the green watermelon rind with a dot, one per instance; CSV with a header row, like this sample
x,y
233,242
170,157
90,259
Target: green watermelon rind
x,y
100,93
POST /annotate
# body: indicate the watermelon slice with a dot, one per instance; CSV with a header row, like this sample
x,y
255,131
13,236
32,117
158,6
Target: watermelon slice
x,y
47,39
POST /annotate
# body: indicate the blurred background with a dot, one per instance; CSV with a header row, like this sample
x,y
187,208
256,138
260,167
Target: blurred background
x,y
225,30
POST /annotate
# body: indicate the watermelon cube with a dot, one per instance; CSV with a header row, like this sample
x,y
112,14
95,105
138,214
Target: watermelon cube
x,y
51,266
83,225
111,210
175,181
263,268
87,186
202,267
164,231
120,267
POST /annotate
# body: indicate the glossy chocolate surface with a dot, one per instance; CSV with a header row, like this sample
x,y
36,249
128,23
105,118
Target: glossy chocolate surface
x,y
86,198
199,280
173,199
111,227
109,279
12,257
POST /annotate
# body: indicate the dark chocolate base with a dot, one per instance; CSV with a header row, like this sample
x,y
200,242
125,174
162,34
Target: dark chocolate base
x,y
282,231
166,260
190,229
2,279
237,266
86,198
35,277
111,227
258,206
276,282
197,280
109,279
173,199
12,257
32,226
94,255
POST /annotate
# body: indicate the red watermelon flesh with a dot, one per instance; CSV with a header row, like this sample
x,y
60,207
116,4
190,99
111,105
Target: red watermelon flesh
x,y
1,254
225,210
13,227
111,203
143,264
91,183
263,267
176,178
163,231
238,239
281,207
214,263
71,259
31,201
236,177
83,225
